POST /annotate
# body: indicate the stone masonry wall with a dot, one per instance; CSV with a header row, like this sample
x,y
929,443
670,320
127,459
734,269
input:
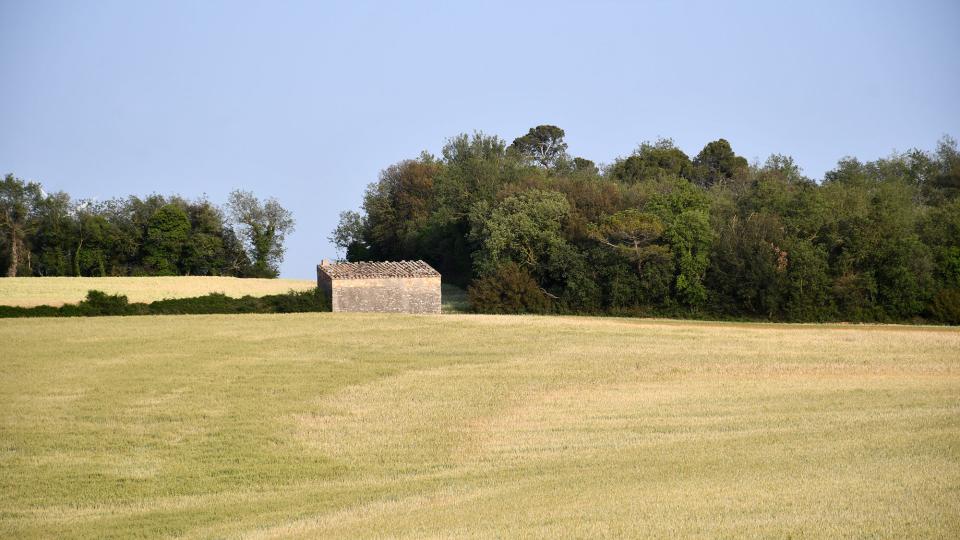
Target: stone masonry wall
x,y
325,283
397,295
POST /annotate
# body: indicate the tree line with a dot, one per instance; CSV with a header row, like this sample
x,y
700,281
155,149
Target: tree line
x,y
45,234
529,228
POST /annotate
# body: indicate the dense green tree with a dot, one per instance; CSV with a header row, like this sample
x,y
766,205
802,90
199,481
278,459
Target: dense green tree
x,y
543,145
940,231
263,226
652,161
947,166
584,167
398,208
632,233
475,169
946,306
350,236
93,243
19,202
119,237
167,234
717,163
659,233
748,267
689,236
55,230
204,253
237,262
525,229
684,211
765,258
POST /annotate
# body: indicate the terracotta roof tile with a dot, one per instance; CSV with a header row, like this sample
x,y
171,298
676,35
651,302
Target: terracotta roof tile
x,y
374,270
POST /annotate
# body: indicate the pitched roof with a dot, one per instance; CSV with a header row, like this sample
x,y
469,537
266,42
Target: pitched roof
x,y
373,270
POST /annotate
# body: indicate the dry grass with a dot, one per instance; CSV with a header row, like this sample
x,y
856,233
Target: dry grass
x,y
345,425
56,291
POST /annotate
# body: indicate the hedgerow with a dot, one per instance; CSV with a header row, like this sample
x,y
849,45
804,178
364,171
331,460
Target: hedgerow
x,y
98,303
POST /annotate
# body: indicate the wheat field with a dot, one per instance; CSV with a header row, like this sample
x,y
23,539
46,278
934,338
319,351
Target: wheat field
x,y
364,425
56,291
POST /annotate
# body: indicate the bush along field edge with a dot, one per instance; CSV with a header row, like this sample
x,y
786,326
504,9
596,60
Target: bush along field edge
x,y
98,303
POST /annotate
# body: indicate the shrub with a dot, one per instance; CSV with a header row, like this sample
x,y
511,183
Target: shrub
x,y
201,305
298,301
509,289
946,306
99,303
12,312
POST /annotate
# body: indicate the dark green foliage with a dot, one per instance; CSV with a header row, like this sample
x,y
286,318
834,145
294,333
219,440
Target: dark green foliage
x,y
100,304
749,262
398,209
49,235
211,243
20,203
940,230
525,229
167,232
659,233
632,234
297,301
946,306
350,234
208,304
584,167
652,161
508,289
292,302
543,145
717,163
52,239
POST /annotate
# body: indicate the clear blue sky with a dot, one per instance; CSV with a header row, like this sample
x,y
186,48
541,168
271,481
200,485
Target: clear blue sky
x,y
308,101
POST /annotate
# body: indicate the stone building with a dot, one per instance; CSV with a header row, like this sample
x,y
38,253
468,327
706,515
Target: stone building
x,y
399,287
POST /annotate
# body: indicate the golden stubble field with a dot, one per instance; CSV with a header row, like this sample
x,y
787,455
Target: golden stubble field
x,y
346,425
56,291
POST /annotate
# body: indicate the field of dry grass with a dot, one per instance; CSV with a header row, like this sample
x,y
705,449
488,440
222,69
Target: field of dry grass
x,y
56,291
346,425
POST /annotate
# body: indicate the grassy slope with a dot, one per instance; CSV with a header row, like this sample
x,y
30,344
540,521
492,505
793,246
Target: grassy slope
x,y
276,426
56,291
